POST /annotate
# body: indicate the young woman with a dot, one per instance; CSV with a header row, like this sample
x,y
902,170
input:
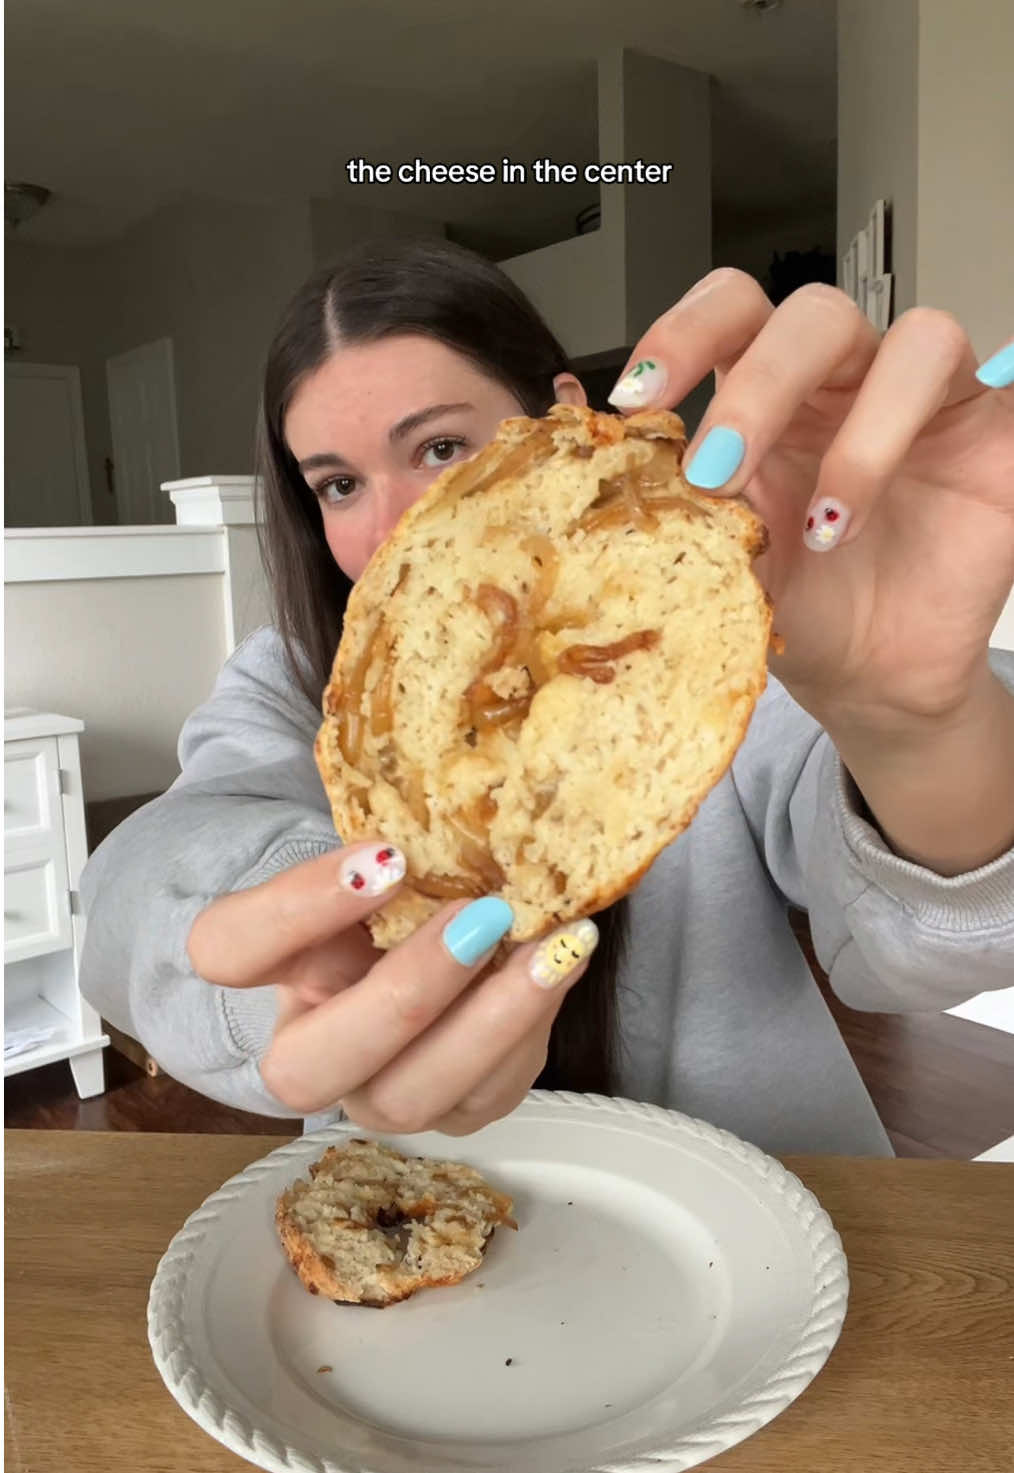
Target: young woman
x,y
875,787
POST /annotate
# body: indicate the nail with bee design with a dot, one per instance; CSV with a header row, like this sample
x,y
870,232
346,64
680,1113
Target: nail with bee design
x,y
556,957
372,870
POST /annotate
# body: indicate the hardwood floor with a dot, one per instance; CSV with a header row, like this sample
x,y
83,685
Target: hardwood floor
x,y
943,1086
45,1099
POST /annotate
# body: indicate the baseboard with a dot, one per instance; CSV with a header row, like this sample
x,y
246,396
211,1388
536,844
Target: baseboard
x,y
131,1049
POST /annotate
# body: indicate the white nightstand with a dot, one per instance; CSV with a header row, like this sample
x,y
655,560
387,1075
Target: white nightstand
x,y
44,852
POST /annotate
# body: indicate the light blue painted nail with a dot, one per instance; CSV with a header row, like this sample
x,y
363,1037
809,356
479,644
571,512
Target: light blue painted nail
x,y
477,928
719,456
998,372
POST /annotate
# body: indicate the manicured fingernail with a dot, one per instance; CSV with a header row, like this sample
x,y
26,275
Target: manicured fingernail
x,y
477,928
719,456
372,871
641,386
826,524
998,372
556,957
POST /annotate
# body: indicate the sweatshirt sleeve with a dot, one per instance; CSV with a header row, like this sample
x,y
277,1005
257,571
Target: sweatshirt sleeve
x,y
891,935
248,803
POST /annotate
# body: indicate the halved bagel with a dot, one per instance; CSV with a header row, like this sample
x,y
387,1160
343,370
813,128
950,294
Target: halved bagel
x,y
372,1226
545,669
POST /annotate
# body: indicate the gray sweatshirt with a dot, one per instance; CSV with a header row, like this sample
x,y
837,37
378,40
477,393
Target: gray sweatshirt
x,y
719,1015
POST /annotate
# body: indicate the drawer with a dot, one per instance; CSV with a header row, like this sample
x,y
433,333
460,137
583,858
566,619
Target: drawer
x,y
32,789
36,910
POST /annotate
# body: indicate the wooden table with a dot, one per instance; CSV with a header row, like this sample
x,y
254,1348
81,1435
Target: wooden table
x,y
921,1379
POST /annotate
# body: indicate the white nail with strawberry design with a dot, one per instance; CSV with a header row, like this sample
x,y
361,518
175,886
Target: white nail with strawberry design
x,y
372,871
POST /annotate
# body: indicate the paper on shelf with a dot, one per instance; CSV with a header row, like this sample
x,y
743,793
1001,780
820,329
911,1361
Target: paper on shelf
x,y
20,1040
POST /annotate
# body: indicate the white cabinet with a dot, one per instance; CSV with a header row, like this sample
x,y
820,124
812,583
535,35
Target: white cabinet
x,y
45,1017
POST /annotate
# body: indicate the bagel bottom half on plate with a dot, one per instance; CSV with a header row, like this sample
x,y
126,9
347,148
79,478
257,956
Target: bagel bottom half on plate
x,y
545,669
372,1226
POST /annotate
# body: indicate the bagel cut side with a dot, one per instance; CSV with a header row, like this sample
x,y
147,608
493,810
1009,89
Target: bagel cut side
x,y
545,669
372,1226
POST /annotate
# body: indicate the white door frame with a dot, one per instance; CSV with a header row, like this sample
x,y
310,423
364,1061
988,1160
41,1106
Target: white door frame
x,y
71,376
161,348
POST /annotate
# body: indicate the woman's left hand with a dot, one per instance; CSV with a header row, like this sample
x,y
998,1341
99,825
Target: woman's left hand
x,y
884,471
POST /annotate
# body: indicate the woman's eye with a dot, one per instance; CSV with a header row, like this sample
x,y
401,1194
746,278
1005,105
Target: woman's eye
x,y
442,451
335,491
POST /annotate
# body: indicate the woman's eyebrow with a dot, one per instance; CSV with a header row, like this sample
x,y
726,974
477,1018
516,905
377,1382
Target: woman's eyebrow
x,y
413,421
328,459
325,460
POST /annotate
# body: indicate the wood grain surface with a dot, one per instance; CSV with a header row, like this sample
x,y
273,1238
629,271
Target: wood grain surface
x,y
921,1379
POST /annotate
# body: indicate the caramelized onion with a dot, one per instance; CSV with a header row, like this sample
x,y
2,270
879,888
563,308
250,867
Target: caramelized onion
x,y
503,712
351,725
446,887
622,498
381,697
415,797
543,798
496,602
595,661
485,469
475,859
546,555
484,810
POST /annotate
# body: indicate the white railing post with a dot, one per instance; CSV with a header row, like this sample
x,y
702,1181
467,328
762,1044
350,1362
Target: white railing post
x,y
229,502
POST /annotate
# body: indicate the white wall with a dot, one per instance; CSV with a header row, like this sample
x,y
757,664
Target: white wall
x,y
335,224
924,120
878,143
599,292
130,657
214,276
966,165
666,118
51,299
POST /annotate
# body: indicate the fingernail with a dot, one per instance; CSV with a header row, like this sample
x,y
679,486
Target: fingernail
x,y
372,871
477,928
641,386
826,524
998,372
719,456
557,956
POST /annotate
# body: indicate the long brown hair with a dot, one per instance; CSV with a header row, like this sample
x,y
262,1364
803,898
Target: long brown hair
x,y
434,289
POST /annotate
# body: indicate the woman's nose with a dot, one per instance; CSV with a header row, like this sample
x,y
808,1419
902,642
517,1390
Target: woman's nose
x,y
393,495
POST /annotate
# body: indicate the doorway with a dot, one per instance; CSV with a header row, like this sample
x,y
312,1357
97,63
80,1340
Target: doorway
x,y
142,418
45,460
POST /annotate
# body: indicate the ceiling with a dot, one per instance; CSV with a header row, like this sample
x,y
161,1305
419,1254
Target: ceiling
x,y
120,107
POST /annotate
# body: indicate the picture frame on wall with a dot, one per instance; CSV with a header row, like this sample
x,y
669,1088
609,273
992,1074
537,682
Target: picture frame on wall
x,y
866,268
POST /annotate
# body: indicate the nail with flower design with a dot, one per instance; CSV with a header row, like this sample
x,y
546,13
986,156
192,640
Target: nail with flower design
x,y
372,869
826,524
641,385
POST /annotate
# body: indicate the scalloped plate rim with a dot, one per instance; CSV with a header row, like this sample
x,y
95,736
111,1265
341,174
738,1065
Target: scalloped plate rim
x,y
761,1406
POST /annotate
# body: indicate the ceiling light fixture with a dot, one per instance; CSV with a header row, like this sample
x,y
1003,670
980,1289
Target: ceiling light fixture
x,y
22,201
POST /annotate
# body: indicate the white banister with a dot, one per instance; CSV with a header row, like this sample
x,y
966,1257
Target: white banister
x,y
213,501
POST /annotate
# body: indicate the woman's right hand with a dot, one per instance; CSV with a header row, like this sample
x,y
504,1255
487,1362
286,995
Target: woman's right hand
x,y
402,1040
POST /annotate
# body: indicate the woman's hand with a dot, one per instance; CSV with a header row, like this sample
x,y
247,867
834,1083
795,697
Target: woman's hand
x,y
884,469
407,1040
885,473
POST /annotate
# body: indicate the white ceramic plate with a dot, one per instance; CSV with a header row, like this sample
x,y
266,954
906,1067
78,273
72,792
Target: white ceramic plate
x,y
671,1290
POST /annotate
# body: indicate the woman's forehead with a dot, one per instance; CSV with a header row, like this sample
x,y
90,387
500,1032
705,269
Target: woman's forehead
x,y
379,383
